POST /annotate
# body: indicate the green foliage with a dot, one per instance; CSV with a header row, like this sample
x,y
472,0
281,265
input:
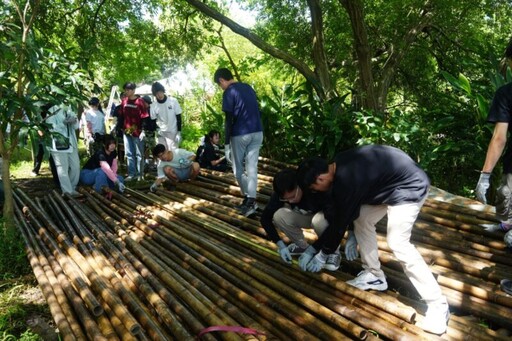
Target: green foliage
x,y
13,260
297,124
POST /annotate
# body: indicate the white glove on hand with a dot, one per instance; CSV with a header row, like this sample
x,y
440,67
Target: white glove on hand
x,y
177,139
120,186
142,135
351,247
227,153
482,186
153,187
306,257
318,262
284,252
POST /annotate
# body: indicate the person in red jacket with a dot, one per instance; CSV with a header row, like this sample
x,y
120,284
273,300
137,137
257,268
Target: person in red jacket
x,y
132,111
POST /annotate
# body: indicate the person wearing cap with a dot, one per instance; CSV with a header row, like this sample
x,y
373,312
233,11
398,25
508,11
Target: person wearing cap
x,y
131,113
93,126
243,135
167,112
174,166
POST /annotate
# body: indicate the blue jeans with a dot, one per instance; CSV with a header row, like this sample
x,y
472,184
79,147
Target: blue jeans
x,y
97,178
134,152
246,151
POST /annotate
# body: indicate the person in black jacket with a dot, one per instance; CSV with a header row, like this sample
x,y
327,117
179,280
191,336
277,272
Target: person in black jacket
x,y
208,154
365,184
291,210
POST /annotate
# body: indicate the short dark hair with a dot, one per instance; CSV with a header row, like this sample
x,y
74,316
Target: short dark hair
x,y
159,148
310,169
108,140
156,87
285,181
208,137
129,85
222,73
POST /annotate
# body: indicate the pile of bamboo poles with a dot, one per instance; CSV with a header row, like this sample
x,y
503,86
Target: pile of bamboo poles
x,y
171,265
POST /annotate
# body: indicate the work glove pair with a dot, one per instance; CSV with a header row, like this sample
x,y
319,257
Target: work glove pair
x,y
482,186
312,261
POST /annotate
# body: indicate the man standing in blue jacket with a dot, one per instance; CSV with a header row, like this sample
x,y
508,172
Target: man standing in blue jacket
x,y
243,135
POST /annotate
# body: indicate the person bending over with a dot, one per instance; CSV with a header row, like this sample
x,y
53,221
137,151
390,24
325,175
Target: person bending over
x,y
365,184
174,165
290,209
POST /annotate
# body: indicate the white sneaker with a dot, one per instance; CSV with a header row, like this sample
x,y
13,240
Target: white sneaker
x,y
436,318
129,178
332,263
365,280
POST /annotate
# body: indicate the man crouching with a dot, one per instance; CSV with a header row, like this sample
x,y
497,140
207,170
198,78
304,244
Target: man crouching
x,y
174,165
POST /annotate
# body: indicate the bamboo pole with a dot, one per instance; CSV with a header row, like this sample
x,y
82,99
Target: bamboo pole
x,y
127,296
201,219
55,306
299,334
177,306
98,284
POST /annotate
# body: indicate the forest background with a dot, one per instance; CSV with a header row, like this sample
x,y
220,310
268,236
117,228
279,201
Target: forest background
x,y
330,74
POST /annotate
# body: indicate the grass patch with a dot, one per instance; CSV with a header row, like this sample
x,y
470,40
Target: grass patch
x,y
16,308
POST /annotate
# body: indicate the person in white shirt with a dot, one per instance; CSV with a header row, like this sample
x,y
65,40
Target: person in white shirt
x,y
174,165
94,126
167,112
64,147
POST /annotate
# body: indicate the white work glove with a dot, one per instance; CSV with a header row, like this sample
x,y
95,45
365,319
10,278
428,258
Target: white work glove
x,y
153,187
317,263
120,186
227,153
482,186
142,135
177,139
306,257
351,247
284,252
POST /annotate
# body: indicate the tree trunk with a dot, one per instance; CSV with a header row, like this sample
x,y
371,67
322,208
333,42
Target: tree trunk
x,y
8,210
319,57
365,97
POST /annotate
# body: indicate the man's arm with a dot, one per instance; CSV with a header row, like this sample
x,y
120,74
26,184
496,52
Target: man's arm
x,y
268,215
496,146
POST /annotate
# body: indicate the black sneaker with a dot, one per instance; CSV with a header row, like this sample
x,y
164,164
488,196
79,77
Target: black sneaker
x,y
244,203
248,210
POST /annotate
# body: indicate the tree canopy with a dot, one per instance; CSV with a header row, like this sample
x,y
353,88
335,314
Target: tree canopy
x,y
330,74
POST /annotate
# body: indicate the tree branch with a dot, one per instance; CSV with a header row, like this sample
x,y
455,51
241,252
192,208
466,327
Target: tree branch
x,y
301,67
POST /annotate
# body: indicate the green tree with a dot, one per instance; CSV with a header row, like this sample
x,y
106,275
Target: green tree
x,y
31,76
